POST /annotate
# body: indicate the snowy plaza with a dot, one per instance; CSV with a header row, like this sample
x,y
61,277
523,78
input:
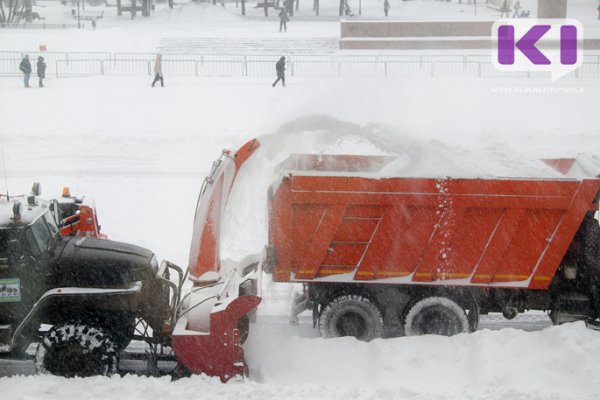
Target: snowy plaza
x,y
142,152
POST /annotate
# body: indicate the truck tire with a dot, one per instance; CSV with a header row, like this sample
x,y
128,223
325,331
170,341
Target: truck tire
x,y
436,316
76,349
351,315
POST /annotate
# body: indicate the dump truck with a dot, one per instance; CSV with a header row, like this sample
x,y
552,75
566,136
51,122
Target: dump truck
x,y
382,255
429,255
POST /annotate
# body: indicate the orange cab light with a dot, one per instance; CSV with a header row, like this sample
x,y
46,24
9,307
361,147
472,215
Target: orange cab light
x,y
66,192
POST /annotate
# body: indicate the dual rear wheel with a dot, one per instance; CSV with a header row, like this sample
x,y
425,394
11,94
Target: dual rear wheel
x,y
360,317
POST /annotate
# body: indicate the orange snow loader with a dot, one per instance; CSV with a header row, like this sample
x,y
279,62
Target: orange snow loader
x,y
382,255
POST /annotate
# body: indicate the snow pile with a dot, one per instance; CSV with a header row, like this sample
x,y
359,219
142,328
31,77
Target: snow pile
x,y
558,361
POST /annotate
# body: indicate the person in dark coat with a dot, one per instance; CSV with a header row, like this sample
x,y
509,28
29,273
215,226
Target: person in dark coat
x,y
505,9
41,70
599,9
283,19
280,68
386,7
25,68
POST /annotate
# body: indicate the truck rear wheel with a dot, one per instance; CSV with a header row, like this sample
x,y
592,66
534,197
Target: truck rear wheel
x,y
351,315
76,349
436,316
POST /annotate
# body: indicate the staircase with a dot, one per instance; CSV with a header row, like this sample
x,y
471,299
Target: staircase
x,y
244,46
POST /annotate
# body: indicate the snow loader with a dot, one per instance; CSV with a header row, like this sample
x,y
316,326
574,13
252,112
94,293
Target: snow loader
x,y
78,296
387,256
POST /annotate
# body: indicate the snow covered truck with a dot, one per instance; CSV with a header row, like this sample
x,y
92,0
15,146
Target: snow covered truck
x,y
383,256
76,294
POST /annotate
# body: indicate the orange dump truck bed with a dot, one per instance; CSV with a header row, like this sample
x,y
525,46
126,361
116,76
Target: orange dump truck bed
x,y
336,219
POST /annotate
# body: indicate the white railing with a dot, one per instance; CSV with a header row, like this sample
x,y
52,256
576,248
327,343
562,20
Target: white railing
x,y
80,64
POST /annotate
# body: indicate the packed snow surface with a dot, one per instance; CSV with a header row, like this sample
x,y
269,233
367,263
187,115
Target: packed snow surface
x,y
556,363
142,154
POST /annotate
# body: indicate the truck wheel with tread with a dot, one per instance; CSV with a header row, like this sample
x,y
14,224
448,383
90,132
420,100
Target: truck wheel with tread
x,y
76,349
351,315
436,316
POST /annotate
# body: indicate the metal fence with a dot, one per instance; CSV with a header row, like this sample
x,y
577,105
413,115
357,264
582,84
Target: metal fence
x,y
80,64
42,25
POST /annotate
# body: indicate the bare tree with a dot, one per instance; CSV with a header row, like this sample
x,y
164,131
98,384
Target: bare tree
x,y
15,11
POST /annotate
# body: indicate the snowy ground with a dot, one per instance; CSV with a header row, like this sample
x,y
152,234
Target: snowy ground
x,y
142,153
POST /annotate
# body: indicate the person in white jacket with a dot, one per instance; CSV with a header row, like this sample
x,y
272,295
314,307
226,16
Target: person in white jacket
x,y
158,72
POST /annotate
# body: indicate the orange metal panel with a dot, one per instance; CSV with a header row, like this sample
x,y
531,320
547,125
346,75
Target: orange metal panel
x,y
562,165
358,211
280,231
356,229
399,243
469,241
434,228
527,245
344,254
207,253
562,237
434,261
497,244
321,241
411,245
329,270
306,219
428,199
381,239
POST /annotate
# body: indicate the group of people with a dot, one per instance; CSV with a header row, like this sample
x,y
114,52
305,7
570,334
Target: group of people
x,y
518,11
25,68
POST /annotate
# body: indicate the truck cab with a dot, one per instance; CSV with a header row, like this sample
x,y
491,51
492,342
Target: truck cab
x,y
80,286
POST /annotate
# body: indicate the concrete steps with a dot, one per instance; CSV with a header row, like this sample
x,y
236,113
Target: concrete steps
x,y
245,46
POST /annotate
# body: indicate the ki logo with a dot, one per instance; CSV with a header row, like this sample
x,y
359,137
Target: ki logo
x,y
538,45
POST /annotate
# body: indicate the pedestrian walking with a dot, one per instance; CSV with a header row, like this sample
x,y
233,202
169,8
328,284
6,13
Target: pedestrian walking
x,y
25,68
158,71
280,68
505,9
386,7
517,9
283,19
41,71
599,9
